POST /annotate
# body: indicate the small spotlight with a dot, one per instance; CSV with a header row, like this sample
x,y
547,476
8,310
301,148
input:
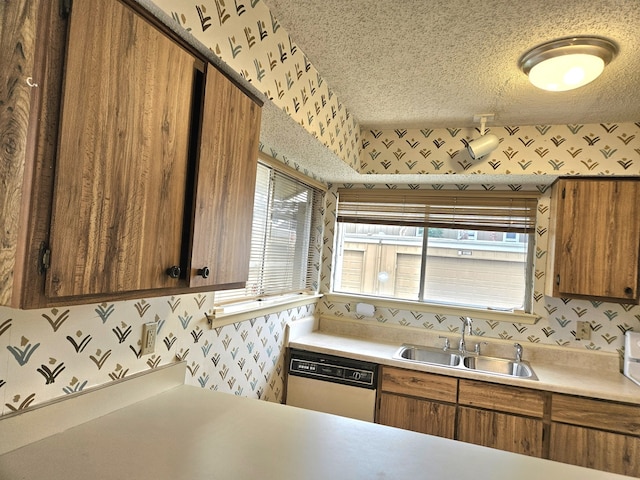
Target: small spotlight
x,y
486,143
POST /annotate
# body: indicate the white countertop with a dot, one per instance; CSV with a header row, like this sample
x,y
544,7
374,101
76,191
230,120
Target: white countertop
x,y
195,434
583,378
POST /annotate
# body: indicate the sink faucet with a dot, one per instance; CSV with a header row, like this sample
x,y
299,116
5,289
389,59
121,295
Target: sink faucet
x,y
466,323
518,352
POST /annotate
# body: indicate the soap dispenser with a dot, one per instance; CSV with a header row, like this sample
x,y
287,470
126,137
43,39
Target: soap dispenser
x,y
632,356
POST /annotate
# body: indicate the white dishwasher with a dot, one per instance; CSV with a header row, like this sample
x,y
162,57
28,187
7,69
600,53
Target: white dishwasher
x,y
331,384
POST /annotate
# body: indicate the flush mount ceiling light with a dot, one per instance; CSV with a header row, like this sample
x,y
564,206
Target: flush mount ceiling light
x,y
567,63
486,143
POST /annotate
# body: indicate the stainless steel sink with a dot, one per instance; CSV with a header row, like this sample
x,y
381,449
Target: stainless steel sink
x,y
478,363
499,366
434,356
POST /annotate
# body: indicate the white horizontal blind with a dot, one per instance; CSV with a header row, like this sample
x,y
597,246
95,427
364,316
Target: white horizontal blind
x,y
484,210
286,232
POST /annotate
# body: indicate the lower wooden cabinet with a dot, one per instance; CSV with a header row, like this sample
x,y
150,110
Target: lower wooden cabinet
x,y
591,448
595,434
500,416
418,401
424,416
592,433
503,431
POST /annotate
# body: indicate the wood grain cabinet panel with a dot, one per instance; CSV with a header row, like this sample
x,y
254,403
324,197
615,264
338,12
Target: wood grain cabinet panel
x,y
591,448
501,417
595,239
227,168
419,384
424,416
503,398
503,431
139,156
596,434
121,170
18,39
418,401
587,412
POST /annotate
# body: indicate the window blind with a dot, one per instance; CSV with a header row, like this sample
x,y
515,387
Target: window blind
x,y
285,240
477,210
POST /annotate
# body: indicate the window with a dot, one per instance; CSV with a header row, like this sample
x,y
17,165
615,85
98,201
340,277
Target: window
x,y
285,238
472,249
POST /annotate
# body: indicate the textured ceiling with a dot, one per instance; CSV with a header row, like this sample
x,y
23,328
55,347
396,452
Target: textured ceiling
x,y
437,63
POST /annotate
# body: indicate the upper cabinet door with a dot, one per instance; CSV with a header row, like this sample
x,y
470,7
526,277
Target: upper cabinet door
x,y
597,239
121,169
226,177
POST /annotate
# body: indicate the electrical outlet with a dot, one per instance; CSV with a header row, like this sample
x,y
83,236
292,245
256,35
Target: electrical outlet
x,y
583,331
149,332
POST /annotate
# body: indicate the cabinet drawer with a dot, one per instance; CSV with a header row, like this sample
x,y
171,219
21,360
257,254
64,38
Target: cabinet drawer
x,y
600,414
419,384
501,397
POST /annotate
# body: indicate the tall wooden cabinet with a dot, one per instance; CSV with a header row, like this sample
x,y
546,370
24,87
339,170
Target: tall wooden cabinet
x,y
595,239
144,161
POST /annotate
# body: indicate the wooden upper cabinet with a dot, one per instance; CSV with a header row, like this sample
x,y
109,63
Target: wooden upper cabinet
x,y
121,169
226,178
596,239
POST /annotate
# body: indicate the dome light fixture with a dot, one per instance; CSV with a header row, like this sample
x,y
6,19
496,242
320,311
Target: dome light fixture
x,y
567,63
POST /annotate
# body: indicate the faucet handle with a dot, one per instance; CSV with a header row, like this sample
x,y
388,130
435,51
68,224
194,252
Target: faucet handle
x,y
476,349
446,343
518,352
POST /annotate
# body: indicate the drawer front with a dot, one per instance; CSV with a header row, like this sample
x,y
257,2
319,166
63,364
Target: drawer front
x,y
503,398
617,417
419,384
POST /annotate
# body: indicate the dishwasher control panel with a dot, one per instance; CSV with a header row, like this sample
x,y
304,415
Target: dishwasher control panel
x,y
333,369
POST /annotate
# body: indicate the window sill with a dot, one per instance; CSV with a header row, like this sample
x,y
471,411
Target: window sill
x,y
475,313
239,312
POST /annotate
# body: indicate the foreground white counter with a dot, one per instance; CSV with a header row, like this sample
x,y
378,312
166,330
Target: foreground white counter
x,y
195,434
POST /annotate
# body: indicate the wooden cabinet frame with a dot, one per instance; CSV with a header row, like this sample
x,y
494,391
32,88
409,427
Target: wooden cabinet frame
x,y
594,433
25,265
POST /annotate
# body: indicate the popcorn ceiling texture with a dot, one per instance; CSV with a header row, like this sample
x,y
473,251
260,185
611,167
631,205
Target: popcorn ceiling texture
x,y
417,64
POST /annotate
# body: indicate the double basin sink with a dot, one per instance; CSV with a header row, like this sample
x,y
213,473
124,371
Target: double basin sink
x,y
462,361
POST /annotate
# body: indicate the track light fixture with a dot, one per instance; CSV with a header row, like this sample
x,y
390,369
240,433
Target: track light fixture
x,y
486,143
567,63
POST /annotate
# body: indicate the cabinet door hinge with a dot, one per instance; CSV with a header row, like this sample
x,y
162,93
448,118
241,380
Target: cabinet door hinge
x,y
44,258
564,193
65,8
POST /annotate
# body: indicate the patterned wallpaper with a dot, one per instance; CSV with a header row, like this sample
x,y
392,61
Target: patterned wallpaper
x,y
605,149
246,36
557,324
49,353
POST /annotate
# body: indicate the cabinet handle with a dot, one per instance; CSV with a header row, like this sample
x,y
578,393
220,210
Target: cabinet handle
x,y
173,271
204,272
628,291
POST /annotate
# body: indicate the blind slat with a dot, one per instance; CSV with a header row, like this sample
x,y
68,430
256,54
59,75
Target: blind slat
x,y
508,211
287,227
